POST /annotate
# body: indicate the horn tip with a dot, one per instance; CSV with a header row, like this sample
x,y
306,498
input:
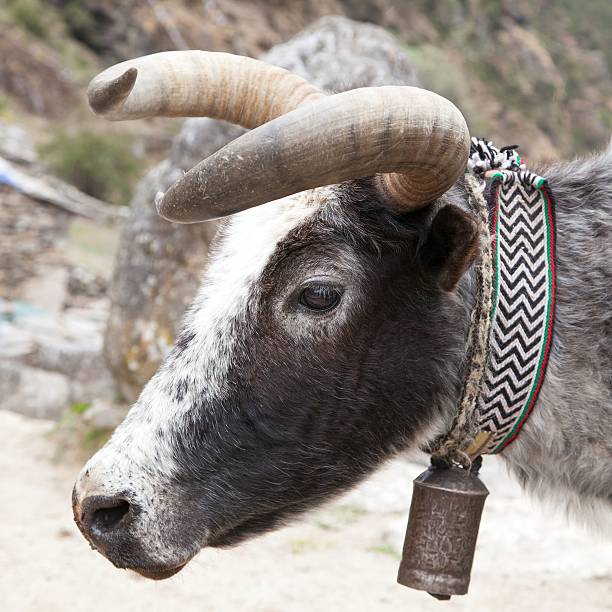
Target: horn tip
x,y
159,206
166,210
106,95
174,207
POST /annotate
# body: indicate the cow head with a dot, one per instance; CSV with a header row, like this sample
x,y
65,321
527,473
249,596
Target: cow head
x,y
329,330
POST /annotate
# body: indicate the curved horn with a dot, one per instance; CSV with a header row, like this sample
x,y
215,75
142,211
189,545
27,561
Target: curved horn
x,y
198,84
418,139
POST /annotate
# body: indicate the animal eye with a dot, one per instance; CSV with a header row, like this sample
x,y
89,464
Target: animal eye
x,y
319,297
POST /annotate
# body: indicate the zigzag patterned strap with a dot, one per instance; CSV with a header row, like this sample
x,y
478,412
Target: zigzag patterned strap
x,y
523,233
512,321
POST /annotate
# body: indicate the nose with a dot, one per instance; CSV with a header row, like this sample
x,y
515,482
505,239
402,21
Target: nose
x,y
103,519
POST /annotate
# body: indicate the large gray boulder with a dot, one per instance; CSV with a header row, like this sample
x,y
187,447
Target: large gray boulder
x,y
159,264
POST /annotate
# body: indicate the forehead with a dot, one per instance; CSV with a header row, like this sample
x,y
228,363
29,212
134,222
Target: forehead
x,y
218,320
245,245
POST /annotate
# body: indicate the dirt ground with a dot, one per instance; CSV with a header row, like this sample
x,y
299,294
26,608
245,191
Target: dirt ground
x,y
343,557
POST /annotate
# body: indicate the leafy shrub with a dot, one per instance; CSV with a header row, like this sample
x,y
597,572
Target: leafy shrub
x,y
101,165
30,15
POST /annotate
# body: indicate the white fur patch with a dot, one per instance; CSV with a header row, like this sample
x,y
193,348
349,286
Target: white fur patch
x,y
248,242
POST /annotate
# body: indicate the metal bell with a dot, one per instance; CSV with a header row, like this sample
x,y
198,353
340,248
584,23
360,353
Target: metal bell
x,y
442,530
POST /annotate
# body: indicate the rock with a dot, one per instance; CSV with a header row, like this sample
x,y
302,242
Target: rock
x,y
15,144
34,74
30,232
35,183
14,342
33,392
66,346
158,264
67,356
118,31
338,54
48,288
72,345
104,415
35,214
82,282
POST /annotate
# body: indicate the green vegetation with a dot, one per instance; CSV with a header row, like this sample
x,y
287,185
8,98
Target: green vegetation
x,y
451,77
517,72
385,549
5,108
30,15
606,118
77,17
74,437
80,407
433,68
101,165
445,14
591,23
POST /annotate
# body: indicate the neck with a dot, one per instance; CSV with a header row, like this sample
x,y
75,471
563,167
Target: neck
x,y
563,453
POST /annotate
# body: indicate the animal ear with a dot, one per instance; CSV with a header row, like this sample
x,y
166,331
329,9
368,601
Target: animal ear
x,y
450,247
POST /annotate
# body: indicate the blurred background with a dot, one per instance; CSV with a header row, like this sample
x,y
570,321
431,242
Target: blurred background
x,y
93,285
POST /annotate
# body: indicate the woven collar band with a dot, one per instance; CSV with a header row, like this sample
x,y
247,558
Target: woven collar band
x,y
512,321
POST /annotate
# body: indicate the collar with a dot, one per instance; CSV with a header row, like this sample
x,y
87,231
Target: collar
x,y
512,321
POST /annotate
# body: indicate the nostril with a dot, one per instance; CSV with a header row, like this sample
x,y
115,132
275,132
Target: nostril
x,y
107,518
102,515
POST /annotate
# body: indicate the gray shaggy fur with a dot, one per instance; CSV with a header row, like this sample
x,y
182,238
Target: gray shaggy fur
x,y
565,449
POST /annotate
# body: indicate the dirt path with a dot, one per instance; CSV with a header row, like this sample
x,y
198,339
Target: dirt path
x,y
343,557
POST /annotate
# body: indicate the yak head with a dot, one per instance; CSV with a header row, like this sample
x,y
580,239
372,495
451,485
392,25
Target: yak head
x,y
329,331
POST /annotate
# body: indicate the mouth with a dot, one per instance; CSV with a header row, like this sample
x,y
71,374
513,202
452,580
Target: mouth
x,y
159,573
